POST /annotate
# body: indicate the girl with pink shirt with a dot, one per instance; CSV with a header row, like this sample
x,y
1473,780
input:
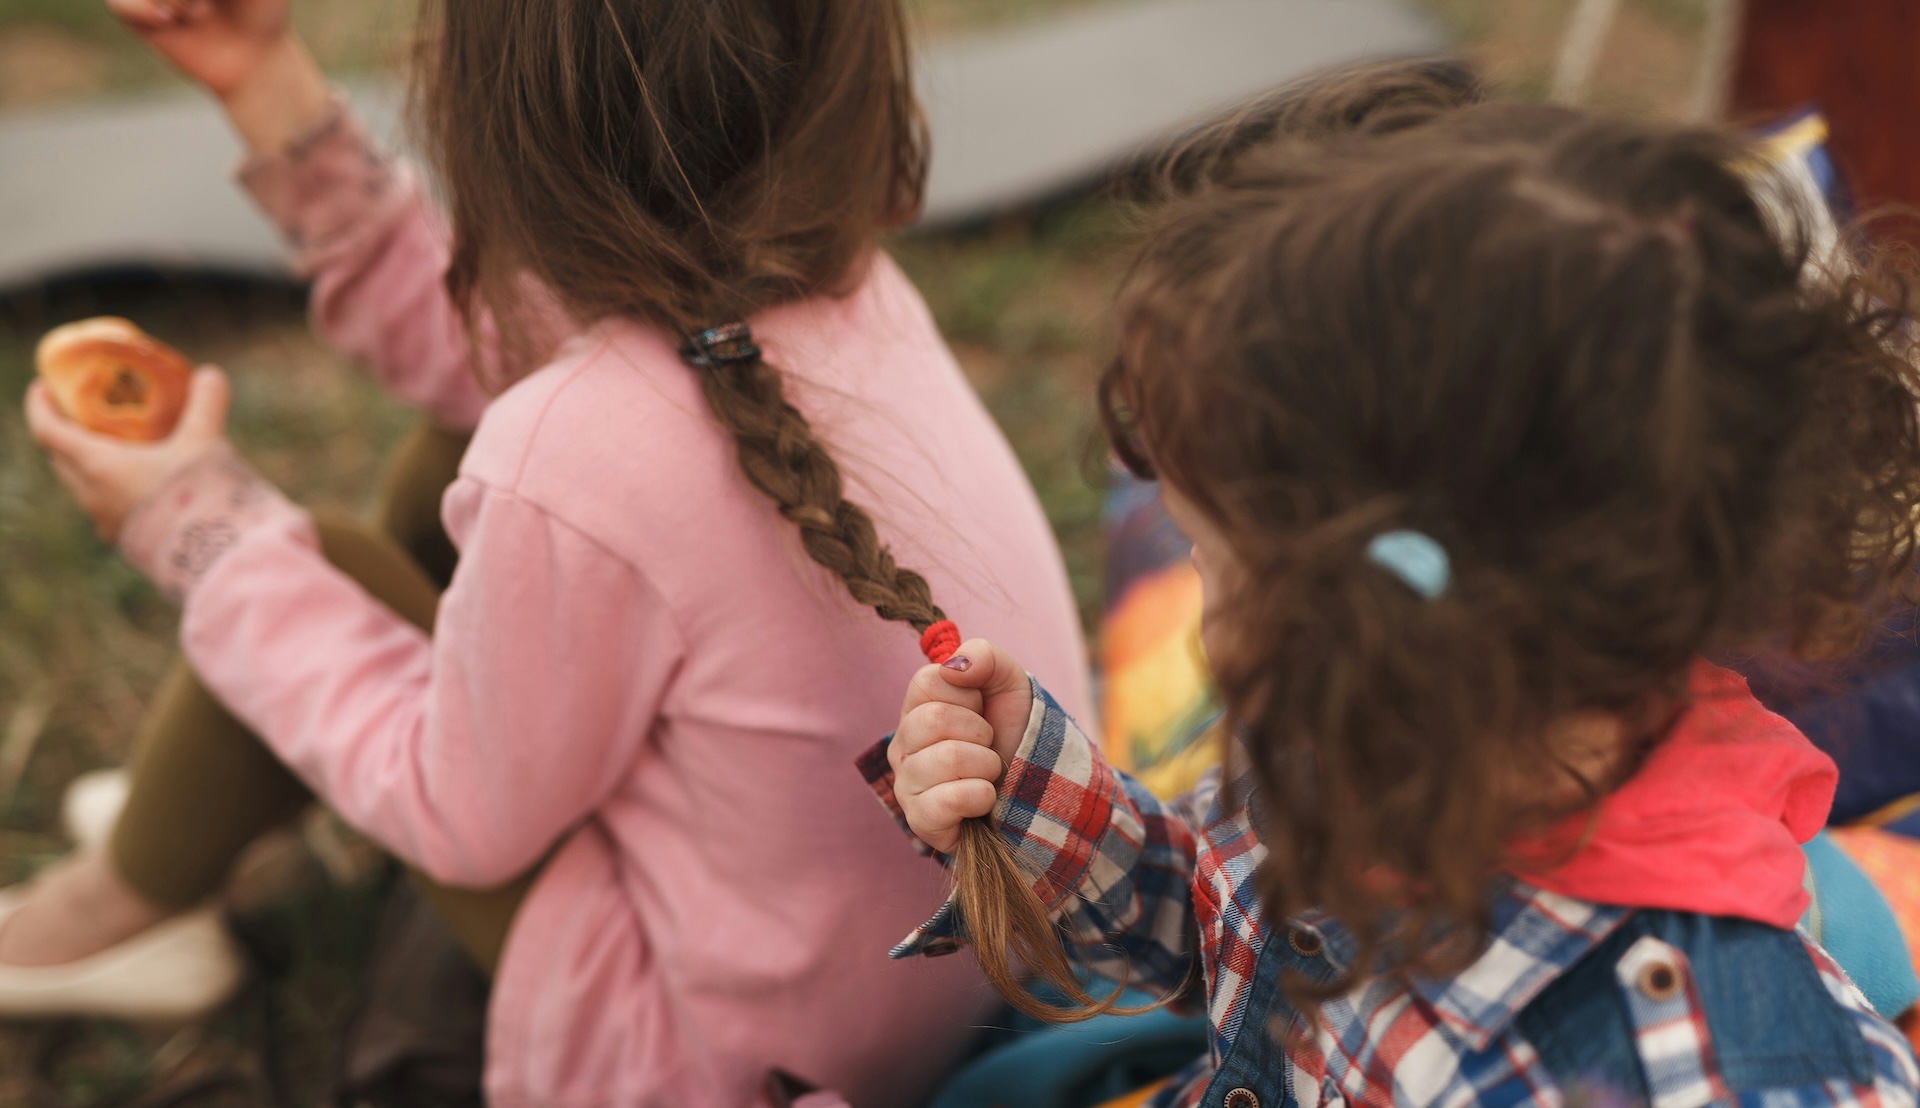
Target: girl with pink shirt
x,y
711,425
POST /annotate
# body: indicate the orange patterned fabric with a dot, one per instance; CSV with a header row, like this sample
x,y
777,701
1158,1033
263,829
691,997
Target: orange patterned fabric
x,y
1137,1098
1157,696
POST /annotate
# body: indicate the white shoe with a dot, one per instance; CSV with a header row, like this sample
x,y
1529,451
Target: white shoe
x,y
177,971
92,805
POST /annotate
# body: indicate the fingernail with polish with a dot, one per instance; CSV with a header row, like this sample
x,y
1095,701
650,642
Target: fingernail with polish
x,y
959,663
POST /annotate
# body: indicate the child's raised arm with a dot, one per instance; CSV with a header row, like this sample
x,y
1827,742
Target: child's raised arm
x,y
245,54
359,226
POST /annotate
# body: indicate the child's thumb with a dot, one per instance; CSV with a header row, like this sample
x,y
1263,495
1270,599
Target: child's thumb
x,y
1006,693
208,399
979,664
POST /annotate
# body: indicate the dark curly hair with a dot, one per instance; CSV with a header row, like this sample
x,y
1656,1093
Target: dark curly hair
x,y
1597,361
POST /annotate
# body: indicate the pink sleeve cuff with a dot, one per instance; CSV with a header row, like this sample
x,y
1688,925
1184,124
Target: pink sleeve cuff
x,y
183,527
328,188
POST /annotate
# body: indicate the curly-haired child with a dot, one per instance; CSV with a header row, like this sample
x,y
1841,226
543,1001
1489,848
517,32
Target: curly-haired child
x,y
1489,424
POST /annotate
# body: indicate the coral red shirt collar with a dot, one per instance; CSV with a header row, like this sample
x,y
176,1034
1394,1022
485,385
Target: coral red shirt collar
x,y
1712,822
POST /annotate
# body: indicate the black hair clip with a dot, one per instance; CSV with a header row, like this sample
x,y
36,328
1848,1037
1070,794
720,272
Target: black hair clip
x,y
722,345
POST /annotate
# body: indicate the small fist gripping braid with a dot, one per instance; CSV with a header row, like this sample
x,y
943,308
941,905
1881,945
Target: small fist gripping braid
x,y
1005,920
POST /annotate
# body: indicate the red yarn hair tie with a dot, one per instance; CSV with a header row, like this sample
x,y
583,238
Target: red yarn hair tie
x,y
939,641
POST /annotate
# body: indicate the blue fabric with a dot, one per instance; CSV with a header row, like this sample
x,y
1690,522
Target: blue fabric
x,y
1257,1062
1140,538
1773,1024
1859,930
1080,1065
1870,723
1908,825
1826,175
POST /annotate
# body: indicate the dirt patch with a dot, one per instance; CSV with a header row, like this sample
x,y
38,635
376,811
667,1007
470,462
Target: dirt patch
x,y
1651,63
1648,62
40,65
986,366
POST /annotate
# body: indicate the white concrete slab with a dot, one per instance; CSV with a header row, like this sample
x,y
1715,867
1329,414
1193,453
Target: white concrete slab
x,y
1022,113
1015,115
142,183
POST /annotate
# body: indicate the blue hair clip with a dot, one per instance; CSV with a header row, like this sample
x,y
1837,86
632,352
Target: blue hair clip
x,y
1414,558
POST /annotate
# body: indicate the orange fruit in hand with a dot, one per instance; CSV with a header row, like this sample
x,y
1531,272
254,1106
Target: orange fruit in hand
x,y
113,378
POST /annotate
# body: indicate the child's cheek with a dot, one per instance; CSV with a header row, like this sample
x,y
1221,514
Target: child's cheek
x,y
1216,634
1216,607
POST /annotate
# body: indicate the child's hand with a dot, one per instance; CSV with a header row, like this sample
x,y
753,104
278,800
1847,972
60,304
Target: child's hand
x,y
959,728
219,43
110,476
245,53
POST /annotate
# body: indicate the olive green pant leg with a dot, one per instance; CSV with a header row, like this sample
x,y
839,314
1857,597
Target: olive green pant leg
x,y
408,509
203,786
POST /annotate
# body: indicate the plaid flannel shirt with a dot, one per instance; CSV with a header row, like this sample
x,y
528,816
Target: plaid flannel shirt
x,y
1156,892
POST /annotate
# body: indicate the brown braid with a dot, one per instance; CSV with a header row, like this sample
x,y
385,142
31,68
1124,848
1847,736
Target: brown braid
x,y
781,456
1008,924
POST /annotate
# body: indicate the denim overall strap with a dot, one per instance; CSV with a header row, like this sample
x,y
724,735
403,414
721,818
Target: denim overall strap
x,y
1256,1073
1740,1008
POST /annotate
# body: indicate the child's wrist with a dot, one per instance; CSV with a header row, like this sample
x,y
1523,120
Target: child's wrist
x,y
283,97
182,526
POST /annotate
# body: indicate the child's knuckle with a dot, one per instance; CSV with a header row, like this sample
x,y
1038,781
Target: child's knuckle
x,y
949,760
948,721
926,682
920,728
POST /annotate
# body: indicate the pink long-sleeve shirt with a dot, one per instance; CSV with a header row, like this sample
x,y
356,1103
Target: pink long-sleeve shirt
x,y
637,674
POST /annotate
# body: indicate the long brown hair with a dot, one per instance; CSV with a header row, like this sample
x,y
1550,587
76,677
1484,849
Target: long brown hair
x,y
1584,357
687,165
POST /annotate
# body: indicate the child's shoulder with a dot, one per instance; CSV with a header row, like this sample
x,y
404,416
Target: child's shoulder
x,y
1672,1001
613,399
613,438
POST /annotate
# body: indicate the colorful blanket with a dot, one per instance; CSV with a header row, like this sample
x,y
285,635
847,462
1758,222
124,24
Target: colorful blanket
x,y
1155,700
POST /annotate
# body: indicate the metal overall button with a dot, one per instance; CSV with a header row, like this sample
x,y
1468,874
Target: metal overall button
x,y
1241,1098
1659,981
1304,942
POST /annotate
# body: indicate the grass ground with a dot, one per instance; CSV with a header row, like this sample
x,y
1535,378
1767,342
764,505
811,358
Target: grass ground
x,y
83,640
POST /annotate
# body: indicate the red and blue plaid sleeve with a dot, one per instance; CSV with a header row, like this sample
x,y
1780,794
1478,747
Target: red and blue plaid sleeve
x,y
1114,861
1896,1074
